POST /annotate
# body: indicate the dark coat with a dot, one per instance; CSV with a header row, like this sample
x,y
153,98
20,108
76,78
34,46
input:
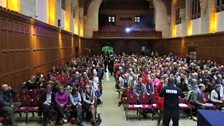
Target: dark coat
x,y
6,97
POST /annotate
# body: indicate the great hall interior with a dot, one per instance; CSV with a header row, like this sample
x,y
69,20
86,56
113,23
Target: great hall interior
x,y
54,42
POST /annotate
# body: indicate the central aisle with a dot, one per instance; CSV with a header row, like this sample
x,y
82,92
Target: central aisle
x,y
111,114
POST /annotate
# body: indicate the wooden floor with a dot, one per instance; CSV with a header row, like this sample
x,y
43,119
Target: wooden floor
x,y
111,114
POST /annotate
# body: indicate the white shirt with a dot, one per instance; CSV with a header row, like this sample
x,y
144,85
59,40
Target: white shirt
x,y
95,82
214,95
48,99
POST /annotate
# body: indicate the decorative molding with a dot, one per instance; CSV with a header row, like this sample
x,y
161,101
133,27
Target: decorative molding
x,y
182,13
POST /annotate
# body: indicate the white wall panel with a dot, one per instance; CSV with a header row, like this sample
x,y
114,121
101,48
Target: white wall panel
x,y
196,26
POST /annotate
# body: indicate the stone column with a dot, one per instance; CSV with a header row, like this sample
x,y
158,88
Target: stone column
x,y
173,20
204,16
162,19
183,21
91,22
188,18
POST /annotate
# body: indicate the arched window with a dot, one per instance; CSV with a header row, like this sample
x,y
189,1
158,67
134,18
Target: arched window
x,y
219,5
178,19
196,9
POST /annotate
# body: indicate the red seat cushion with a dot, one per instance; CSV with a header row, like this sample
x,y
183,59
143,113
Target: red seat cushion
x,y
22,109
2,118
32,109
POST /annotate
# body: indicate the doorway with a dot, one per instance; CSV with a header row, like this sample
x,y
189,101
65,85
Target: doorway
x,y
192,53
107,50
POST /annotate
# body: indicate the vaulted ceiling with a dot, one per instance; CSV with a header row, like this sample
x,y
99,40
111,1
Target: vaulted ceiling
x,y
125,4
86,3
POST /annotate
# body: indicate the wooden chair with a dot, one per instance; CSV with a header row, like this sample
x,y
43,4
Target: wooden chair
x,y
131,104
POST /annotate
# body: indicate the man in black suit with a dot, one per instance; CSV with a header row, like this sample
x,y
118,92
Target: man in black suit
x,y
6,104
48,101
171,95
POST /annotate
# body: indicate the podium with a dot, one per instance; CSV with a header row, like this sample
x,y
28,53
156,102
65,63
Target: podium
x,y
210,118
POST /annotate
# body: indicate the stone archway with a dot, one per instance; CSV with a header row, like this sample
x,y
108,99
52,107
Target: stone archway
x,y
162,19
91,19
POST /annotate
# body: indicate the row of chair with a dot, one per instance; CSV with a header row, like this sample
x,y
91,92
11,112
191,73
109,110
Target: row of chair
x,y
144,103
28,104
131,104
147,102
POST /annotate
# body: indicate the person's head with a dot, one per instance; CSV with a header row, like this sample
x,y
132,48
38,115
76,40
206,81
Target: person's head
x,y
76,73
61,89
84,74
166,80
126,76
95,73
153,76
217,87
5,87
194,81
74,90
148,78
201,87
130,70
139,80
33,78
219,76
88,88
48,88
164,77
171,80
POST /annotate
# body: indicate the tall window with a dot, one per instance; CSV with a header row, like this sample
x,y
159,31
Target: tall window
x,y
137,19
63,4
219,5
196,9
111,19
178,19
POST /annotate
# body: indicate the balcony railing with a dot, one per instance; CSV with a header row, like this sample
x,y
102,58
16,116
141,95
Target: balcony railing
x,y
127,35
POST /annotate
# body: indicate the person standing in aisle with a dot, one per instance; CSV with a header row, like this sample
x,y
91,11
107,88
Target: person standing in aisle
x,y
171,95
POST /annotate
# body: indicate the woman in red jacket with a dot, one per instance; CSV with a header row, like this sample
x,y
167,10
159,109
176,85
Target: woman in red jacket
x,y
160,100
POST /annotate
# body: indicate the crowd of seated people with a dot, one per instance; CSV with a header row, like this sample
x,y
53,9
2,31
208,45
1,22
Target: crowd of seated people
x,y
68,93
73,90
202,81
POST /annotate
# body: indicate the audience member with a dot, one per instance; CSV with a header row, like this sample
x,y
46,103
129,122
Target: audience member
x,y
217,96
76,107
47,103
61,99
6,104
89,102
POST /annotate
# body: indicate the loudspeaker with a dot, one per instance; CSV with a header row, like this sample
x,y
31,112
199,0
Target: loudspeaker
x,y
59,22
